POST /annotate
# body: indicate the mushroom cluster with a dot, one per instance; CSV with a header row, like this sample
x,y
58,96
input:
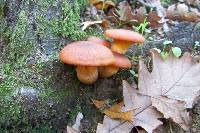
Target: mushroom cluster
x,y
100,58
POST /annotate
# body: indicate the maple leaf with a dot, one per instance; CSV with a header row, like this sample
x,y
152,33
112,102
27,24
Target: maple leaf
x,y
173,85
166,92
174,78
145,115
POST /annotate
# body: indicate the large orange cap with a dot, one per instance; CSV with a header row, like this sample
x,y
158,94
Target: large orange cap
x,y
121,61
126,35
86,53
99,41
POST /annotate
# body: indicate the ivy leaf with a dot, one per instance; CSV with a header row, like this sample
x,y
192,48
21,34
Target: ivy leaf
x,y
176,51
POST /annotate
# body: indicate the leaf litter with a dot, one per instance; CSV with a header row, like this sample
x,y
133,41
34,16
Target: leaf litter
x,y
168,91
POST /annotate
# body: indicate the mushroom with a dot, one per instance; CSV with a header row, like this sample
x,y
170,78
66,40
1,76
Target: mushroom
x,y
121,61
87,56
99,41
123,39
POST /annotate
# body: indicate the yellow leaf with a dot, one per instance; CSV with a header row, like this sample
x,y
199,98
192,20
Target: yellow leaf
x,y
115,111
102,4
127,116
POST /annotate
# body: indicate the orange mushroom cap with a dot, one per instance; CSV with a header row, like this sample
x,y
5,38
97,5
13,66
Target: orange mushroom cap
x,y
126,35
99,41
121,61
86,53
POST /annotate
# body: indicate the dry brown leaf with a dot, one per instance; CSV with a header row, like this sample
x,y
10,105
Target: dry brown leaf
x,y
176,79
113,126
173,109
182,12
102,4
114,111
145,115
86,24
171,88
154,19
125,12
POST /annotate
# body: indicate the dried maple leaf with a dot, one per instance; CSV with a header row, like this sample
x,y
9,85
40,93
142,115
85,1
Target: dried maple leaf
x,y
145,115
174,78
114,111
174,86
171,88
113,126
173,109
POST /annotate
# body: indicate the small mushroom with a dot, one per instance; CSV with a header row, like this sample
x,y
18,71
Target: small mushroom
x,y
123,39
121,61
87,56
99,41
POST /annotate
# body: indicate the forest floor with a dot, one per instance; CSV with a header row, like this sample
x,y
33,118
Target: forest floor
x,y
40,94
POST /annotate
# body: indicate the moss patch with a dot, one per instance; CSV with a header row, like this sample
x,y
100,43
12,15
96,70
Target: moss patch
x,y
22,65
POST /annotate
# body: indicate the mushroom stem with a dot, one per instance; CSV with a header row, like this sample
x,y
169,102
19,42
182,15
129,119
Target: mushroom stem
x,y
107,71
120,46
87,74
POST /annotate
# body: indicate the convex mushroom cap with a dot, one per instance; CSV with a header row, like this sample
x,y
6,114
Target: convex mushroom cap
x,y
123,39
87,56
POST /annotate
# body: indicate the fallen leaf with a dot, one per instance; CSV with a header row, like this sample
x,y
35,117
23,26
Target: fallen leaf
x,y
175,78
76,127
124,11
173,81
114,111
113,126
71,130
166,92
87,24
182,12
145,115
154,19
173,109
126,14
102,4
77,124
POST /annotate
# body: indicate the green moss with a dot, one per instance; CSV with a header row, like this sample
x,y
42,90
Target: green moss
x,y
19,46
68,24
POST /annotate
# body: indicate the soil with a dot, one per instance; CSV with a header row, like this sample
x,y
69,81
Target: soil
x,y
69,96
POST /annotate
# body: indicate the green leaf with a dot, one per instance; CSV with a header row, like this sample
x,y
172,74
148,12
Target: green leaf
x,y
164,55
167,42
176,51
